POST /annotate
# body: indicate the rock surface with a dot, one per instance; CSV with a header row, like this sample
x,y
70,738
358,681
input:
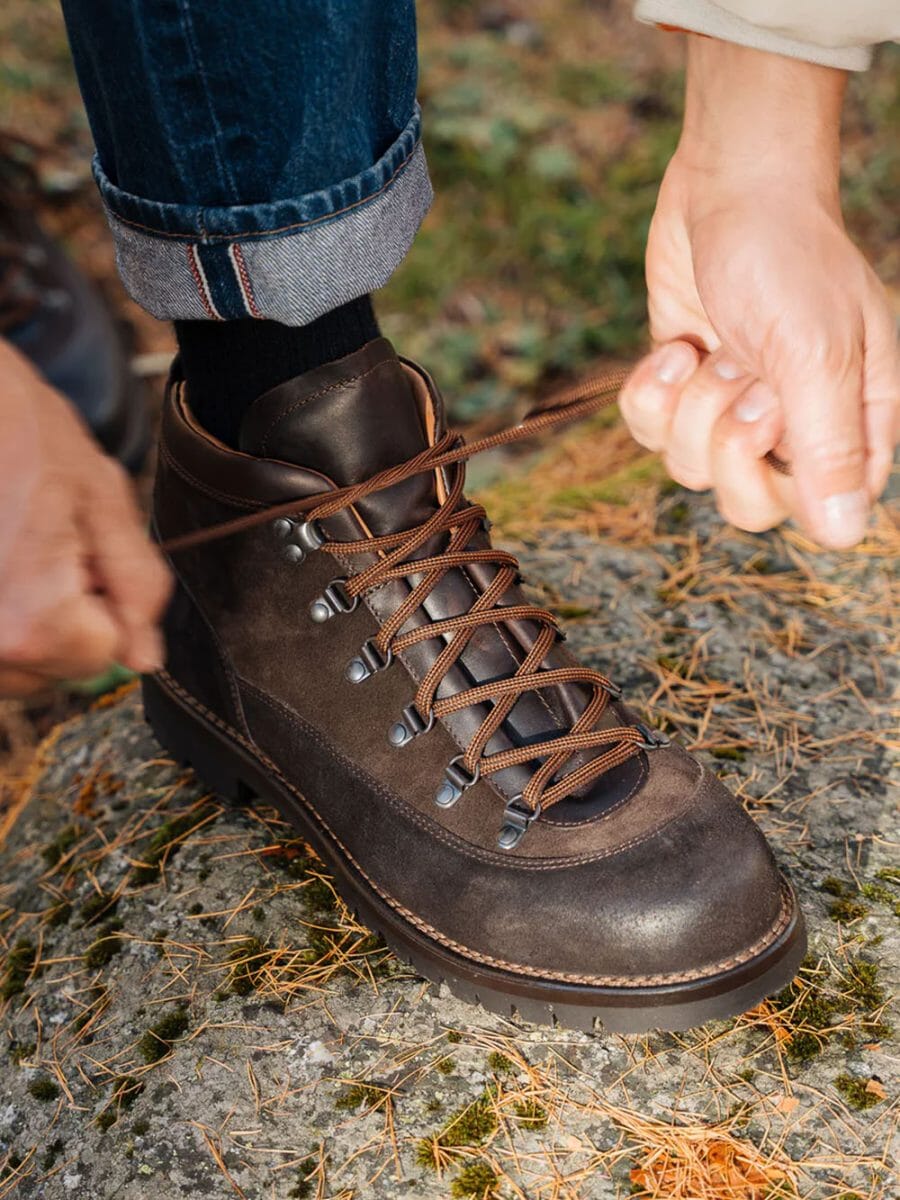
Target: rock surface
x,y
187,1010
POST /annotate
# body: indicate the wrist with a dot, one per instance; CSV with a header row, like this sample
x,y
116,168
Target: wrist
x,y
751,116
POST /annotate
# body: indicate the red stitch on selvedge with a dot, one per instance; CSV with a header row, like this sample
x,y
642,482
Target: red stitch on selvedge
x,y
237,261
258,233
200,282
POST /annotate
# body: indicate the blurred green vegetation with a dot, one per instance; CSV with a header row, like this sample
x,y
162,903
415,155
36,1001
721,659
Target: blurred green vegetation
x,y
548,125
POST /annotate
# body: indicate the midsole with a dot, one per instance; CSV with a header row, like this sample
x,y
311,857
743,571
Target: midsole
x,y
263,779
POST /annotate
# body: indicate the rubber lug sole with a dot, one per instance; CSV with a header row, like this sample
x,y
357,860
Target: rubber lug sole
x,y
235,775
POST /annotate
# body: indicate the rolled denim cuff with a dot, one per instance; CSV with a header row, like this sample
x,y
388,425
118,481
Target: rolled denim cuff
x,y
288,260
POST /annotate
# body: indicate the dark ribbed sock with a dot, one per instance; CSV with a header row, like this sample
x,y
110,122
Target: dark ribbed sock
x,y
228,364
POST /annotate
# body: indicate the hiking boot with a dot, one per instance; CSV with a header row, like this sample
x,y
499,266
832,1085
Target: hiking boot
x,y
52,313
352,649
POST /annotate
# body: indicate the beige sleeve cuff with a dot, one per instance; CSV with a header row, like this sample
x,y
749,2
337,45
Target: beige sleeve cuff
x,y
704,16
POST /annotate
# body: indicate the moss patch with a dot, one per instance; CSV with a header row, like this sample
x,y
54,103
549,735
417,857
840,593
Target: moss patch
x,y
159,1038
43,1088
102,951
164,843
856,1092
20,963
477,1181
359,1094
470,1126
99,905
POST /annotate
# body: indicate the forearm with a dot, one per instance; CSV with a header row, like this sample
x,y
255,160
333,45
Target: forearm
x,y
750,116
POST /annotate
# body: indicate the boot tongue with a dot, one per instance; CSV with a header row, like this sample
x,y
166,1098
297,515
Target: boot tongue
x,y
349,420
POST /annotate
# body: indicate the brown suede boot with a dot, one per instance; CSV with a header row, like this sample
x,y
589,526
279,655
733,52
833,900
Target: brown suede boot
x,y
369,665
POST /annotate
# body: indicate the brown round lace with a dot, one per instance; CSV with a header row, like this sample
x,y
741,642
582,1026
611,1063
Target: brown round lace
x,y
461,525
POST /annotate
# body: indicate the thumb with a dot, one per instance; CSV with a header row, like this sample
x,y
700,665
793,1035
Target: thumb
x,y
827,444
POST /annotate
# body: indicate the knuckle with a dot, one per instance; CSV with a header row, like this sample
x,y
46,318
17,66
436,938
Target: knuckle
x,y
693,478
832,457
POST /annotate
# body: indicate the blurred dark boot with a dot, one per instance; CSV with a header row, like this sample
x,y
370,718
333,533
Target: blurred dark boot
x,y
52,313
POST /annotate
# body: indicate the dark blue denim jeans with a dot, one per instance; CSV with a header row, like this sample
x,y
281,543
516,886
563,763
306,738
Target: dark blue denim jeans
x,y
256,158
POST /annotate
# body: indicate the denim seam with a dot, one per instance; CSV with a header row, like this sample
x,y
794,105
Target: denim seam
x,y
263,233
187,27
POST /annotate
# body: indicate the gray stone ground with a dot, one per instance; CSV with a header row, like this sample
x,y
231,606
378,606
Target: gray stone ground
x,y
292,1058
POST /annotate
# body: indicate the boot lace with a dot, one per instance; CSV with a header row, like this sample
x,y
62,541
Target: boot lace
x,y
547,785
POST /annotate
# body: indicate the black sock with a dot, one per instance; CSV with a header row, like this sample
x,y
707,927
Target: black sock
x,y
228,364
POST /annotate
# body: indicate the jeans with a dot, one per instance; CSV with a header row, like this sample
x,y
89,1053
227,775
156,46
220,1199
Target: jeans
x,y
255,159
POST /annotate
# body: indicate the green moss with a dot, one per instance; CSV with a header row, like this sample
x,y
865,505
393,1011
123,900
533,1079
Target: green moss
x,y
618,488
861,984
195,909
471,1125
732,753
889,875
164,843
304,1186
20,963
879,894
51,1154
107,1118
246,959
99,905
853,1089
836,887
44,1088
357,1095
159,1038
500,1063
19,1051
815,1013
531,1115
96,996
258,914
101,952
126,1090
454,1036
141,1127
846,910
58,915
446,1065
56,850
476,1181
571,612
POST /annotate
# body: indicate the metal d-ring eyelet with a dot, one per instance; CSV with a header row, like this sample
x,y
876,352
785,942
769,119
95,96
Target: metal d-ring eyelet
x,y
411,725
457,779
653,739
301,538
369,660
517,817
332,601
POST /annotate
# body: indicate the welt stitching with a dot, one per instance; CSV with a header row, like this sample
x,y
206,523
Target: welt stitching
x,y
261,233
769,936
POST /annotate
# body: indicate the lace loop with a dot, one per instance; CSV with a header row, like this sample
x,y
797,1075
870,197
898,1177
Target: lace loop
x,y
458,522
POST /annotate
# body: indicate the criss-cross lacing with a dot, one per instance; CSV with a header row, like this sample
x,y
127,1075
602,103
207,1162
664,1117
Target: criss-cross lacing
x,y
395,561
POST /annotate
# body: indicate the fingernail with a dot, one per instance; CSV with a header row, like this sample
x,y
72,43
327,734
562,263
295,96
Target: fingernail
x,y
755,403
675,363
846,517
725,368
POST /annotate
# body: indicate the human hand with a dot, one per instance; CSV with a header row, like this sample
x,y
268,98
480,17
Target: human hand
x,y
773,331
80,583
